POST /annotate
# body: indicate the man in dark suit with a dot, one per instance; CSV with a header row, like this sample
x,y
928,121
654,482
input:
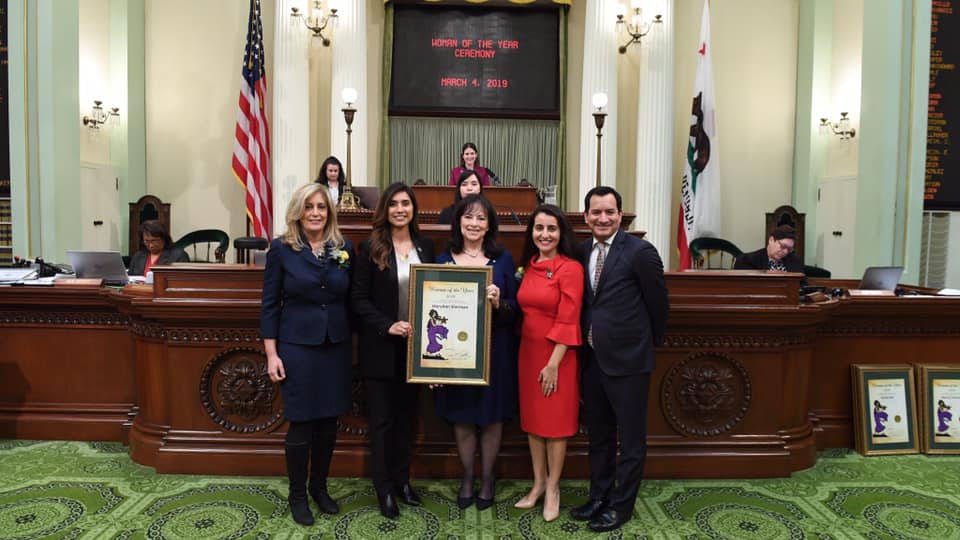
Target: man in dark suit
x,y
778,255
625,310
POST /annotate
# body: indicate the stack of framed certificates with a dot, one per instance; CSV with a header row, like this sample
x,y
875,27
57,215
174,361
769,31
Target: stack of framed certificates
x,y
904,408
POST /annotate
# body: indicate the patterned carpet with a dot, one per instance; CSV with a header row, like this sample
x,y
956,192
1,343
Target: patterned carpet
x,y
66,490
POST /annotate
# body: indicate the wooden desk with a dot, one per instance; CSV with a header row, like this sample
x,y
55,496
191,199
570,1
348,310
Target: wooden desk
x,y
519,199
748,383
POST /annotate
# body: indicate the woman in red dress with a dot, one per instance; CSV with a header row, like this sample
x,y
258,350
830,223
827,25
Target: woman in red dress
x,y
550,296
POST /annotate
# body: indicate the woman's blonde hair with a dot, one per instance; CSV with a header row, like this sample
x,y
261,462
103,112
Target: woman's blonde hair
x,y
293,235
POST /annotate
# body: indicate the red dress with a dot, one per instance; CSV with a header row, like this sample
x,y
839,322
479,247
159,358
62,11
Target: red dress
x,y
550,296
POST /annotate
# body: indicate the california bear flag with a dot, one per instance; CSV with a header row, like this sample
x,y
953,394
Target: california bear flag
x,y
700,185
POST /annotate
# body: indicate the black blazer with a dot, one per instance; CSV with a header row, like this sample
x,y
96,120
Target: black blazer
x,y
757,260
375,302
169,255
630,307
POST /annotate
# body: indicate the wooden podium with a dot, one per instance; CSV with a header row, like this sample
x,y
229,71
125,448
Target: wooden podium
x,y
518,199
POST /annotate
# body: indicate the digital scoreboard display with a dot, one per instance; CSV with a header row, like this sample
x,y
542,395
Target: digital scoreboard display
x,y
472,61
942,179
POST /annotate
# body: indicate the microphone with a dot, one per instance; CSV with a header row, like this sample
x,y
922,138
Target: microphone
x,y
494,179
513,213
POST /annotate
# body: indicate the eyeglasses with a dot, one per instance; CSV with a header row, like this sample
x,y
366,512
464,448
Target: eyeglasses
x,y
148,241
786,247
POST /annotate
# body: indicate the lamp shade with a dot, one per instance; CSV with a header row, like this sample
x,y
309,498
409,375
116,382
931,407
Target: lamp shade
x,y
599,100
349,95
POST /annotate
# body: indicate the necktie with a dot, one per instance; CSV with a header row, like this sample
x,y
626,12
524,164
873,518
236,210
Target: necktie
x,y
598,269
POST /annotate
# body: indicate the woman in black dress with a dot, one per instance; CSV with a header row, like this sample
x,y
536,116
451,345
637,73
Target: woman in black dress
x,y
307,338
467,184
380,301
483,409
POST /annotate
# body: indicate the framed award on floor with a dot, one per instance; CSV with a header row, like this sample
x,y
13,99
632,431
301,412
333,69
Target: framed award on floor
x,y
939,389
450,316
884,409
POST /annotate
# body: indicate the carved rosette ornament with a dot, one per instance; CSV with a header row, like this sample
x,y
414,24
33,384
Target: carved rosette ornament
x,y
236,391
705,395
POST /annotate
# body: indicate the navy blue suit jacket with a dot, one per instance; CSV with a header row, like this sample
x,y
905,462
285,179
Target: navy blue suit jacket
x,y
305,299
630,307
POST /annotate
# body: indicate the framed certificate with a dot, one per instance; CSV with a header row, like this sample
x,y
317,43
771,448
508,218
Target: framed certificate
x,y
884,409
450,316
939,389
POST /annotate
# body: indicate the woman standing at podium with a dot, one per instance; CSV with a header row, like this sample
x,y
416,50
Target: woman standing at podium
x,y
379,296
307,338
483,409
470,161
331,175
467,184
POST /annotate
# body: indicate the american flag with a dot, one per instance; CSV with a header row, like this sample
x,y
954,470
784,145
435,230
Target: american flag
x,y
251,150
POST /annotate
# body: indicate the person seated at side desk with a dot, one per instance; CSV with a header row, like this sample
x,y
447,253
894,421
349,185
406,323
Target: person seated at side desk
x,y
157,249
467,184
777,256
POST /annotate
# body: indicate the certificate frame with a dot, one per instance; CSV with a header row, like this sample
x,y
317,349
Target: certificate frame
x,y
939,407
884,409
450,315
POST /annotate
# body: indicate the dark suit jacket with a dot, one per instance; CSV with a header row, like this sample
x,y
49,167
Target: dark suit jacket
x,y
757,260
304,298
629,310
170,255
375,302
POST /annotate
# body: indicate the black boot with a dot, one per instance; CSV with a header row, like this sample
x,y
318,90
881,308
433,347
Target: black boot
x,y
298,455
321,451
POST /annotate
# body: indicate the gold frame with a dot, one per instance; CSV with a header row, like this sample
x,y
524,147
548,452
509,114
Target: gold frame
x,y
473,367
925,375
868,442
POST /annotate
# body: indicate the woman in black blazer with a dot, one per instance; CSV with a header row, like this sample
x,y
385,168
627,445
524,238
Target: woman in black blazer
x,y
306,334
331,175
379,298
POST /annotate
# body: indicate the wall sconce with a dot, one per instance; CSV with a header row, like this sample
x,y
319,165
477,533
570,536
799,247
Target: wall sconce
x,y
599,102
348,201
99,115
317,21
841,127
635,27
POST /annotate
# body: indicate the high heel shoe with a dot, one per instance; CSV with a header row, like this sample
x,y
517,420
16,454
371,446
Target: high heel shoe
x,y
464,502
528,502
551,511
482,502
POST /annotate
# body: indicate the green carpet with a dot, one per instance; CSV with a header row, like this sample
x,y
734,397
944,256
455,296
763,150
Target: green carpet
x,y
67,490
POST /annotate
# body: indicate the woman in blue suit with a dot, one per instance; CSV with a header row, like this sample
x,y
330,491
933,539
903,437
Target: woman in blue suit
x,y
380,301
306,334
483,408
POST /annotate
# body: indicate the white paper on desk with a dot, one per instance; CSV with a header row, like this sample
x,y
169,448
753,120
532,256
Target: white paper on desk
x,y
15,274
41,282
949,292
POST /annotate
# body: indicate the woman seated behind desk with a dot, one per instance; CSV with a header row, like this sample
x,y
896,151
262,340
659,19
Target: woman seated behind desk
x,y
158,249
777,256
467,184
470,161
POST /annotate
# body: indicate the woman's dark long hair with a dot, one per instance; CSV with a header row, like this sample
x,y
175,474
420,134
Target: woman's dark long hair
x,y
381,242
564,246
490,248
153,227
322,175
467,173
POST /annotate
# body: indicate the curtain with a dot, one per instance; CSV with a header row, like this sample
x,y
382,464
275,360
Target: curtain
x,y
514,149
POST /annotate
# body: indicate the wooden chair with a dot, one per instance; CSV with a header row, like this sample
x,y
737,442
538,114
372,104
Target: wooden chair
x,y
146,208
713,253
205,245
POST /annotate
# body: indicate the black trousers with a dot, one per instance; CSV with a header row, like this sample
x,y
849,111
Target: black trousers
x,y
615,406
392,408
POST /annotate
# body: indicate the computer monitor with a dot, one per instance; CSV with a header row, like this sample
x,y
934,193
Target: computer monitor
x,y
881,278
107,265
